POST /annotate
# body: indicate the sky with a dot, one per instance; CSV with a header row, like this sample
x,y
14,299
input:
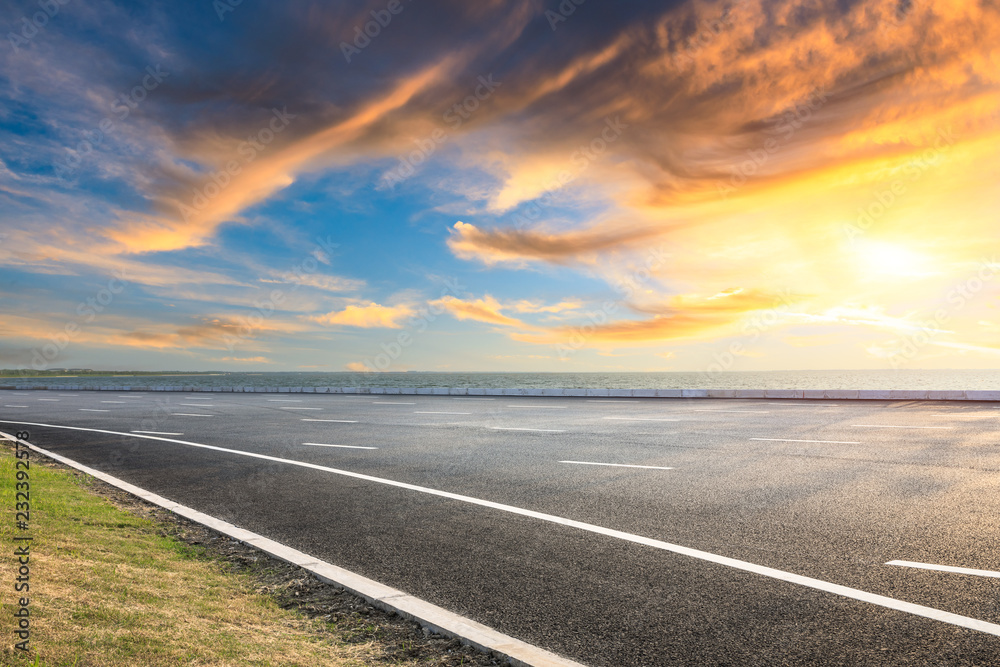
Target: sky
x,y
521,185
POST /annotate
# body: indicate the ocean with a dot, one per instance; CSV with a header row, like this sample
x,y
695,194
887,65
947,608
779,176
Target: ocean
x,y
854,379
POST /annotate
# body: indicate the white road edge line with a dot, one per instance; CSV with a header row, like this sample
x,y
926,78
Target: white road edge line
x,y
189,414
781,575
339,421
514,428
92,410
827,442
319,444
617,465
896,426
157,433
438,619
945,568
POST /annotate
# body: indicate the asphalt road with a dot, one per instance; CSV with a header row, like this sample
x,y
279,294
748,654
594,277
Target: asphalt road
x,y
827,490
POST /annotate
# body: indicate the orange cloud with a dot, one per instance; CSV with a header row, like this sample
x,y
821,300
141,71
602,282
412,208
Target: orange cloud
x,y
371,316
486,310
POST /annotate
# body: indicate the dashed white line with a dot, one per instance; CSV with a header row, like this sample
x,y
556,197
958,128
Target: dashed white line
x,y
195,405
418,412
946,568
157,433
644,419
49,399
597,400
91,410
540,430
119,402
617,465
754,412
284,400
338,421
540,407
189,414
289,407
825,442
897,426
745,566
319,444
391,403
15,406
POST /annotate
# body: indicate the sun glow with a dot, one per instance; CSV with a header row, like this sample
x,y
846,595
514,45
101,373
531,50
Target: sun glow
x,y
890,259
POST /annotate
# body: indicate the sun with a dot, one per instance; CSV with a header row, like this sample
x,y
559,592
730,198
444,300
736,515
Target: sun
x,y
890,259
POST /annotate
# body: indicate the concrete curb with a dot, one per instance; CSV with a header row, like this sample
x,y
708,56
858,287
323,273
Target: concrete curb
x,y
806,394
437,619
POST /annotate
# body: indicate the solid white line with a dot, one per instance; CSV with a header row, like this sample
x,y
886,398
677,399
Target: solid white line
x,y
289,407
391,403
284,400
416,412
895,426
49,399
318,444
644,419
91,410
945,568
157,433
755,412
540,407
616,465
339,421
826,442
188,414
809,582
15,406
484,638
541,430
119,402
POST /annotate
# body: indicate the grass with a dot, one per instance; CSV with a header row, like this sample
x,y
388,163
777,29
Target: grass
x,y
110,588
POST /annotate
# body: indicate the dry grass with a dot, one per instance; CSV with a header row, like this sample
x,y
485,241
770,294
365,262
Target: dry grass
x,y
110,588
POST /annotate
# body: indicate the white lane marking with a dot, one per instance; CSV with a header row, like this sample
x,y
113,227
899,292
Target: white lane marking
x,y
17,394
781,575
157,433
91,410
119,402
339,421
616,465
201,398
756,412
289,407
470,398
123,396
284,400
826,442
319,444
596,400
195,405
644,419
540,430
391,403
49,399
945,568
895,426
402,603
189,414
15,406
540,407
417,412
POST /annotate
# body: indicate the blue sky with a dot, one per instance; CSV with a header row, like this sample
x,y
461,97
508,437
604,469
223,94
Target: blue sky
x,y
520,186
